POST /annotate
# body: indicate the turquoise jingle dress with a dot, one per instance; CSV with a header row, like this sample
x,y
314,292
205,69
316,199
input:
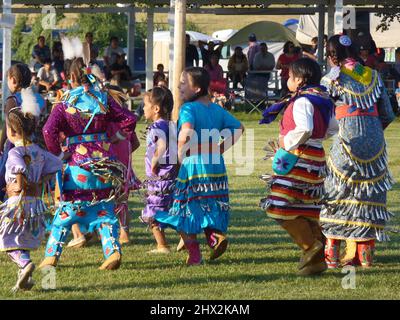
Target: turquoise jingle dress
x,y
201,195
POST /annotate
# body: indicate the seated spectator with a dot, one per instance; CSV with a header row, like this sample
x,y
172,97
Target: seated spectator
x,y
120,73
264,61
40,53
48,77
217,81
397,92
238,66
111,53
368,59
395,71
381,66
159,74
58,60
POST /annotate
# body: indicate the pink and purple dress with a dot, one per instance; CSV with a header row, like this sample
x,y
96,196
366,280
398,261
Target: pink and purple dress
x,y
22,217
160,188
93,175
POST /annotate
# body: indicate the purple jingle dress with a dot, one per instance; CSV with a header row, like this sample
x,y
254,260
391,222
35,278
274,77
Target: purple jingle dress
x,y
24,229
159,188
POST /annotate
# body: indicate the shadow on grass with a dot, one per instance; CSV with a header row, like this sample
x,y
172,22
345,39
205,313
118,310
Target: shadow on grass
x,y
158,284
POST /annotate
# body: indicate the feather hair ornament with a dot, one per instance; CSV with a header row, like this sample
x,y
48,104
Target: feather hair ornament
x,y
78,47
29,102
68,50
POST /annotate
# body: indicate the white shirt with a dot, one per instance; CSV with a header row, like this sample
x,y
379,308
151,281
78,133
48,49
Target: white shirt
x,y
303,113
50,76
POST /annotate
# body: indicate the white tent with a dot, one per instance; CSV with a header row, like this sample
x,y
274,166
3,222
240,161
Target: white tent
x,y
224,35
164,36
308,28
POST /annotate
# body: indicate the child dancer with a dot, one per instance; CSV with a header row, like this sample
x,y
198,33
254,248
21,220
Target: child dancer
x,y
297,185
27,169
92,177
161,174
19,79
123,150
201,196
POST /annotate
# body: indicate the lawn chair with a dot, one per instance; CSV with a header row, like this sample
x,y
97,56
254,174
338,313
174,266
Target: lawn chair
x,y
255,92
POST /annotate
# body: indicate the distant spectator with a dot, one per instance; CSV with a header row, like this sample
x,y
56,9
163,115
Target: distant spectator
x,y
210,50
58,58
112,51
397,61
217,81
191,53
94,50
367,59
381,66
40,53
264,61
120,73
253,49
397,92
48,77
238,66
285,59
159,74
314,45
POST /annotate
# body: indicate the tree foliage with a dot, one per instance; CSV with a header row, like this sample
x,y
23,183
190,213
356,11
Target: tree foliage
x,y
388,18
102,25
22,44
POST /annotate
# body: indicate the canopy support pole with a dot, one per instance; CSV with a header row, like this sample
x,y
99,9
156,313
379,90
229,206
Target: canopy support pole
x,y
179,52
6,54
321,33
131,40
149,49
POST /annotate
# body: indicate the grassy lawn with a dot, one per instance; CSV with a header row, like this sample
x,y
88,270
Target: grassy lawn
x,y
260,262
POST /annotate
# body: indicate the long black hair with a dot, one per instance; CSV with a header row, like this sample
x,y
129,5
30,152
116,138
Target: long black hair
x,y
338,52
308,70
199,78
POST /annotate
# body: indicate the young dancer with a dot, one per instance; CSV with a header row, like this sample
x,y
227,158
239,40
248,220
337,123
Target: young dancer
x,y
28,167
201,196
161,174
19,80
123,151
358,175
299,164
92,177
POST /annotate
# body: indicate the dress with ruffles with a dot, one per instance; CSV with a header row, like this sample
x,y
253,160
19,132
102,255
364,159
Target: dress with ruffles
x,y
358,175
201,195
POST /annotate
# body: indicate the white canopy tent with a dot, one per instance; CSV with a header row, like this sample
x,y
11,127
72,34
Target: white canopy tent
x,y
308,28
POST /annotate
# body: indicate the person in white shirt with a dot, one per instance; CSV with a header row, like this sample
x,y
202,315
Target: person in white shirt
x,y
48,77
299,164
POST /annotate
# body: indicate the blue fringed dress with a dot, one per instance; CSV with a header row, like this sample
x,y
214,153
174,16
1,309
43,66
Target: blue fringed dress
x,y
201,195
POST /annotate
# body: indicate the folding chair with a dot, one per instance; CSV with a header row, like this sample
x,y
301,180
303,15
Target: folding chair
x,y
255,91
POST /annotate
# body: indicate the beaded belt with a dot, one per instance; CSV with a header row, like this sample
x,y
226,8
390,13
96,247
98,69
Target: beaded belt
x,y
85,138
351,111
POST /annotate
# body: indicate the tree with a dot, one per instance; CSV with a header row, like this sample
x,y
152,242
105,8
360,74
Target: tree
x,y
103,26
388,18
24,43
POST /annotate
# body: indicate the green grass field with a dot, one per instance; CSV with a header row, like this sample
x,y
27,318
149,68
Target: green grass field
x,y
260,262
